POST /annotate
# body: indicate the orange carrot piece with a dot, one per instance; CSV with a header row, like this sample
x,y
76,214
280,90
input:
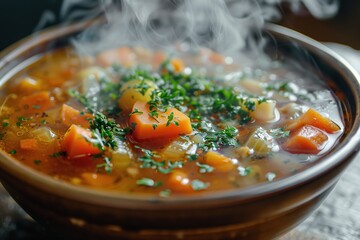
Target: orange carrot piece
x,y
147,127
28,144
314,118
98,180
121,55
218,161
306,140
76,142
70,115
37,102
177,64
179,182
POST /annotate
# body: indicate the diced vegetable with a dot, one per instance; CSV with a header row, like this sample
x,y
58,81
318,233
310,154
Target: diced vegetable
x,y
219,161
176,150
90,80
171,123
306,140
120,158
77,142
261,142
122,55
177,65
28,144
98,180
264,110
70,115
43,134
314,118
37,102
135,90
179,182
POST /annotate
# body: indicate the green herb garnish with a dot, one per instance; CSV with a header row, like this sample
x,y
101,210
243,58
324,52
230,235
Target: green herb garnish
x,y
204,168
58,154
198,185
279,132
148,182
37,162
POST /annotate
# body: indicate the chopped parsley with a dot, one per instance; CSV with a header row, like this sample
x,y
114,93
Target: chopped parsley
x,y
106,132
148,182
147,160
198,185
12,152
107,165
171,120
204,168
165,193
37,162
136,111
58,154
215,140
244,171
192,157
279,132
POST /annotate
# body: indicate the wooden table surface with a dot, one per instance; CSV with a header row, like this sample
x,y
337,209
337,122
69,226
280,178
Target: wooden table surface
x,y
338,218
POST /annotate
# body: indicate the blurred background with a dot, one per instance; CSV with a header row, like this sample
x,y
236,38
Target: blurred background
x,y
21,18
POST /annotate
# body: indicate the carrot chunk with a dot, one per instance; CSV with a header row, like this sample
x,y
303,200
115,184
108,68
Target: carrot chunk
x,y
314,118
218,161
70,115
98,180
306,140
163,125
28,144
179,182
177,65
37,102
76,142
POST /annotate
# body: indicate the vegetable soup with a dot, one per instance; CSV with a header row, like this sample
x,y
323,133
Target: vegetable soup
x,y
135,120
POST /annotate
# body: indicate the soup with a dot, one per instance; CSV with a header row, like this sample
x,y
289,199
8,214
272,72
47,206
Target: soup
x,y
142,121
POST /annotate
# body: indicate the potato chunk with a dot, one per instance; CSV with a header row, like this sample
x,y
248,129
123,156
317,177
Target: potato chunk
x,y
264,111
135,90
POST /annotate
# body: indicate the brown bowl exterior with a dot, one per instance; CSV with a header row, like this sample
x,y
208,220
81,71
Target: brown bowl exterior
x,y
259,219
260,212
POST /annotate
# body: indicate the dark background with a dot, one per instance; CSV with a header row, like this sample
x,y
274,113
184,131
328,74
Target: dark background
x,y
19,18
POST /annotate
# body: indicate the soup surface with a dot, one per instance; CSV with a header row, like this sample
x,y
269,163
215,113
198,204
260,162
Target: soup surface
x,y
135,120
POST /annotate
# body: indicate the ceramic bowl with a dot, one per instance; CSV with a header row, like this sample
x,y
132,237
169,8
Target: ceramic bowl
x,y
259,212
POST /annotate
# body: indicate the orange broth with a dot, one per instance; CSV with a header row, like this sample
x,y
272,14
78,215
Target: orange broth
x,y
235,141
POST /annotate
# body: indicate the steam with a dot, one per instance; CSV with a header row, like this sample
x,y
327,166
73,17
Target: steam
x,y
222,25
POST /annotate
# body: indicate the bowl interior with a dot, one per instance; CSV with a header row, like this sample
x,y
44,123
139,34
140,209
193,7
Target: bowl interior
x,y
283,44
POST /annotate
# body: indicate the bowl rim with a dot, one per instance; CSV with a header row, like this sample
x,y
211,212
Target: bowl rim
x,y
340,153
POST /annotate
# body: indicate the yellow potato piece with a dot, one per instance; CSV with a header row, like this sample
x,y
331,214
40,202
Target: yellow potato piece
x,y
135,90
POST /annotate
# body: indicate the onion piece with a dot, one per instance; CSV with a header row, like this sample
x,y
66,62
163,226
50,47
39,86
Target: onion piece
x,y
43,134
261,142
